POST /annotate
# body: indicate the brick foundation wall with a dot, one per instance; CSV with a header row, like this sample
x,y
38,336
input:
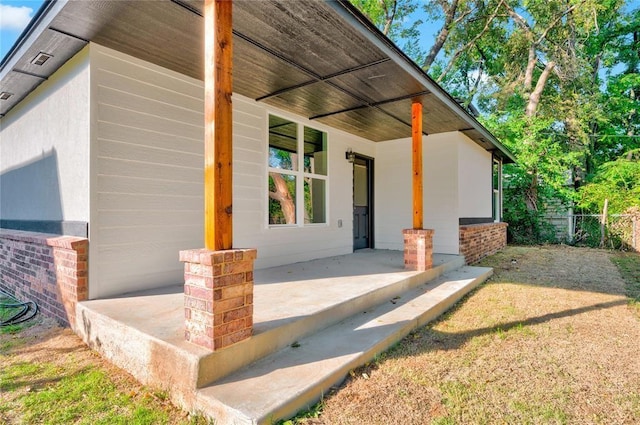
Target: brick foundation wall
x,y
480,240
48,269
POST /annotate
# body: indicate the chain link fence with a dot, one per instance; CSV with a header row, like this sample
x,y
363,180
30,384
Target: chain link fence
x,y
615,231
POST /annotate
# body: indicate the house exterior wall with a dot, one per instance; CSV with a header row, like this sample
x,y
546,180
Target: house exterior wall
x,y
392,210
44,150
457,183
279,245
475,189
146,173
147,178
394,191
441,200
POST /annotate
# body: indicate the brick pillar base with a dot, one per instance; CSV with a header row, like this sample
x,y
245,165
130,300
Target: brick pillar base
x,y
218,296
418,249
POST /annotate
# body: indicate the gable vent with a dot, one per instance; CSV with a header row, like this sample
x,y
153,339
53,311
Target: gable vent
x,y
41,58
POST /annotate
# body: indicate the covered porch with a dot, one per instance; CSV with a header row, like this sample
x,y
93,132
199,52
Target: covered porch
x,y
313,322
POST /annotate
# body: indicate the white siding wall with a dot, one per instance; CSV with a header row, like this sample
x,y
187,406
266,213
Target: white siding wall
x,y
452,164
147,173
475,191
44,149
441,207
147,159
393,191
284,245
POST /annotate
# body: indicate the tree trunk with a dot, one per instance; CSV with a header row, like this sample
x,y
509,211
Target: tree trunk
x,y
534,99
283,196
449,14
531,64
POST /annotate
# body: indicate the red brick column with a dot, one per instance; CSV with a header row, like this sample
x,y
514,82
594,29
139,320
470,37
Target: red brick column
x,y
418,249
70,258
218,296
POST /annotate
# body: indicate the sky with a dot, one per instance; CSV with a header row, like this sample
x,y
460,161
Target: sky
x,y
14,17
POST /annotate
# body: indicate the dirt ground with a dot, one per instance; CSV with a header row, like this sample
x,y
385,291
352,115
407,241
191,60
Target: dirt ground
x,y
551,338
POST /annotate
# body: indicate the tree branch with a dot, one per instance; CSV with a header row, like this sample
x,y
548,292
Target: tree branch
x,y
470,43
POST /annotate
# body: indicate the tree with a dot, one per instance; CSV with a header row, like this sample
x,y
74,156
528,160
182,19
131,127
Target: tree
x,y
393,18
545,75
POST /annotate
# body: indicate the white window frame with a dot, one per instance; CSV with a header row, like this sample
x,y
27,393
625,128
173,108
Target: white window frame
x,y
496,192
300,175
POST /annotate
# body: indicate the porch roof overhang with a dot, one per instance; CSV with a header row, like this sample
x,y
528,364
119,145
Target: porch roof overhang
x,y
320,59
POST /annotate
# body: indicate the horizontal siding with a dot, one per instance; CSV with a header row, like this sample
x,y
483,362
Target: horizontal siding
x,y
147,143
279,245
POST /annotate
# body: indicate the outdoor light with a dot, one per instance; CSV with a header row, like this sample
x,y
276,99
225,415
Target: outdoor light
x,y
351,157
5,95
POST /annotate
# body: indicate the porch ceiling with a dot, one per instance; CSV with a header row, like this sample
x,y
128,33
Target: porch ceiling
x,y
319,59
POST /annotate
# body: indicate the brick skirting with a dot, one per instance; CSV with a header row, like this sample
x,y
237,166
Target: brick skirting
x,y
480,240
48,269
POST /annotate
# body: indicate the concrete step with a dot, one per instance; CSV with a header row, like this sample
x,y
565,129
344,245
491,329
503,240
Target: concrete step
x,y
295,377
267,340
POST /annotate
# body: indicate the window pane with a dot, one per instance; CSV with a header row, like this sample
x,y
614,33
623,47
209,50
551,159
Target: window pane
x,y
315,151
314,201
360,186
283,144
282,198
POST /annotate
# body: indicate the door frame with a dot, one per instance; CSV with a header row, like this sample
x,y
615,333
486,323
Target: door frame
x,y
371,181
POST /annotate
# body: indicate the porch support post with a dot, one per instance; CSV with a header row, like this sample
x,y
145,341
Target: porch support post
x,y
218,62
418,242
416,141
218,288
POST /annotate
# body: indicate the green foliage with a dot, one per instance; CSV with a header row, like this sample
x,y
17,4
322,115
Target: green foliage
x,y
618,181
393,18
526,226
556,82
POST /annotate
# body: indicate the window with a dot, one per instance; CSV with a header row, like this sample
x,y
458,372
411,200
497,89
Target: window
x,y
497,190
297,173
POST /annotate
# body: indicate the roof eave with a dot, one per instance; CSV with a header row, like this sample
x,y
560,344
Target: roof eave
x,y
39,23
371,32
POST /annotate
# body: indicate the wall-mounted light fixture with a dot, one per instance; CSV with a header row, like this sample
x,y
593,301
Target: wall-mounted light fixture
x,y
351,157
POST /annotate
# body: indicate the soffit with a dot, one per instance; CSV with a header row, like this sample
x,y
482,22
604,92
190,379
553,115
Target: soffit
x,y
300,56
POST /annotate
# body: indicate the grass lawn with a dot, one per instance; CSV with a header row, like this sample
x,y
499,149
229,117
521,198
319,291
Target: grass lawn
x,y
551,338
48,376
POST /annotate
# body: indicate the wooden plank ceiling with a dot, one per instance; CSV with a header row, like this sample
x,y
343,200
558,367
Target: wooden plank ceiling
x,y
300,56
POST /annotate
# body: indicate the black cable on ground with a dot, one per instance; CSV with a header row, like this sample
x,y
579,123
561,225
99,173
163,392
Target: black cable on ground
x,y
26,310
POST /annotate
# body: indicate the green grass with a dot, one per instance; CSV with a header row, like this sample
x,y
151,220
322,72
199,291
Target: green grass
x,y
89,396
7,312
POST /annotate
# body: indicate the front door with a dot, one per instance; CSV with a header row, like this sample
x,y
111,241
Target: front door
x,y
362,203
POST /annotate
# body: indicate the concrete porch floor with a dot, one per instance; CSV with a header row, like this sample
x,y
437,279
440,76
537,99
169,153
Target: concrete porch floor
x,y
143,332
